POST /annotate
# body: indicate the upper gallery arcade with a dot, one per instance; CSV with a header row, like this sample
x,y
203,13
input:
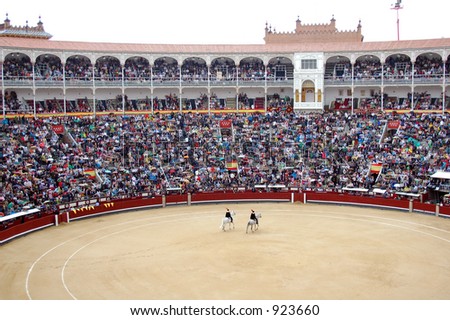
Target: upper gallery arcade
x,y
311,67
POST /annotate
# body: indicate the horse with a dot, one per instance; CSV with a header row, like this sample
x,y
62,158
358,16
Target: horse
x,y
227,221
253,224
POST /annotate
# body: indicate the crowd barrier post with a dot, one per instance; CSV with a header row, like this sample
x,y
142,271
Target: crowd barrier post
x,y
56,220
292,197
410,205
437,209
163,201
304,198
189,199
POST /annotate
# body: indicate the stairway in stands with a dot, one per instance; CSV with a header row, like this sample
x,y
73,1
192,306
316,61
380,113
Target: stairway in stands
x,y
231,103
259,103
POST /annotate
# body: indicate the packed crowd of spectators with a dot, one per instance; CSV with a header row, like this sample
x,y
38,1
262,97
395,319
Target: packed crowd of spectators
x,y
80,69
420,101
189,152
14,105
395,68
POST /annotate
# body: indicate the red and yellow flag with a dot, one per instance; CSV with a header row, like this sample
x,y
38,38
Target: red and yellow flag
x,y
232,165
376,167
90,173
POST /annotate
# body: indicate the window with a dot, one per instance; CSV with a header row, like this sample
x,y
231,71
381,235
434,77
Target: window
x,y
309,64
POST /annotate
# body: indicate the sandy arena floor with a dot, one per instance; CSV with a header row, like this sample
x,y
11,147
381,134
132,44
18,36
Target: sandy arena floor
x,y
178,252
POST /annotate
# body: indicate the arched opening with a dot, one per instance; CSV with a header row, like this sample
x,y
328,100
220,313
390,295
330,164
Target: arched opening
x,y
308,91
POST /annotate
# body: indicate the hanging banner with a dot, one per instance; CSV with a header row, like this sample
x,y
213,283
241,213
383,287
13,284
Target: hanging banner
x,y
393,124
225,124
226,127
58,128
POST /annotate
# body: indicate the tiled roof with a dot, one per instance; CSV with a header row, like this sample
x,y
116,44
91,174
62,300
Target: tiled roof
x,y
51,45
31,33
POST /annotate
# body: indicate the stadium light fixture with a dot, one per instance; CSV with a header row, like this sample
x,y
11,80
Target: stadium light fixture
x,y
397,6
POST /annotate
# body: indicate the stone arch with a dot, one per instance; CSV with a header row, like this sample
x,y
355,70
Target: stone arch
x,y
398,66
137,68
251,68
367,67
108,68
78,68
308,91
48,66
223,68
17,65
280,68
166,69
337,67
194,68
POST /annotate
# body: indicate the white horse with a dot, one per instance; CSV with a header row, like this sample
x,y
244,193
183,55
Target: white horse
x,y
227,221
253,224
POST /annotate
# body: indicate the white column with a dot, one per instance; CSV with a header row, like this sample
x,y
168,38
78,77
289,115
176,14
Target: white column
x,y
180,90
382,86
64,89
353,85
123,88
93,89
412,84
3,90
443,87
34,91
265,88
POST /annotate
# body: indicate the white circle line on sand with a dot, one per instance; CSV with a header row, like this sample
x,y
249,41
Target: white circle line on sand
x,y
156,216
30,270
101,238
291,214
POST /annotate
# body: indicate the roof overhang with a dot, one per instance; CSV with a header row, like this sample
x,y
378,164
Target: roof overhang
x,y
441,175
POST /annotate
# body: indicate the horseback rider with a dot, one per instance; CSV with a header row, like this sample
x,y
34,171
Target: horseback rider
x,y
228,215
253,216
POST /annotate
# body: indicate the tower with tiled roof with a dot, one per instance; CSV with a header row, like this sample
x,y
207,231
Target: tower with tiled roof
x,y
37,32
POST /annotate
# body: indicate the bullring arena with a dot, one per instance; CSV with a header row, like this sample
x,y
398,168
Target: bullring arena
x,y
300,251
118,162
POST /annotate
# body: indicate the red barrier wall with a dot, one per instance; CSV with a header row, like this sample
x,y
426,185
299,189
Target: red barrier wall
x,y
362,200
444,211
118,205
240,196
26,227
17,228
177,199
427,207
